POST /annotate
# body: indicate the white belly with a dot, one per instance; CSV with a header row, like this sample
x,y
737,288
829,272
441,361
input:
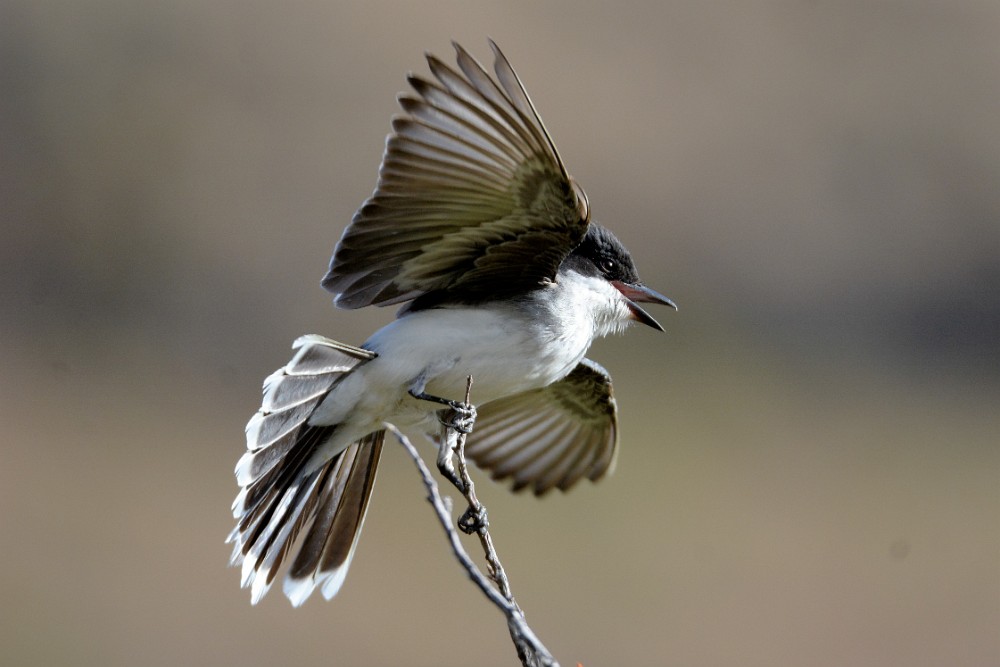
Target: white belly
x,y
504,352
436,350
506,349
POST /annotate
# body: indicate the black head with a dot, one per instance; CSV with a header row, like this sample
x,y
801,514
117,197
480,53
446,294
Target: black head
x,y
607,256
602,254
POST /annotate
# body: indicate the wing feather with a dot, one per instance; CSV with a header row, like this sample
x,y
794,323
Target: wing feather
x,y
435,100
471,192
550,437
478,86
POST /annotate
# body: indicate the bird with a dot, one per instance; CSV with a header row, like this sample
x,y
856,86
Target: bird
x,y
478,232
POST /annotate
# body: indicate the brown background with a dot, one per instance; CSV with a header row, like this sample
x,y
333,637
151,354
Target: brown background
x,y
809,467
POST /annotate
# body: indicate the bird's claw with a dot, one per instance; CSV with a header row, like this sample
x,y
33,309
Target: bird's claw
x,y
461,417
472,521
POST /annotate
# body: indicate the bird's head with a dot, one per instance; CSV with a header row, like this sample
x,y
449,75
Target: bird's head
x,y
602,256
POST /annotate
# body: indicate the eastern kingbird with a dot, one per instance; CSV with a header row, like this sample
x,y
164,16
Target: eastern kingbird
x,y
478,229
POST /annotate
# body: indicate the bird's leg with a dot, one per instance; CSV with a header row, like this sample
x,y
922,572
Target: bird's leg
x,y
456,423
446,458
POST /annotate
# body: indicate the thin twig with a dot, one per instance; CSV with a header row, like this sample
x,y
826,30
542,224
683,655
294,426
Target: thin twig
x,y
474,519
530,649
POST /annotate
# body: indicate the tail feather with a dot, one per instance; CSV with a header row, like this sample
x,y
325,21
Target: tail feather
x,y
280,475
254,465
328,546
276,509
283,390
266,428
279,499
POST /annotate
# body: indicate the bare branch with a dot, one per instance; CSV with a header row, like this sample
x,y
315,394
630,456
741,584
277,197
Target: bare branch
x,y
496,587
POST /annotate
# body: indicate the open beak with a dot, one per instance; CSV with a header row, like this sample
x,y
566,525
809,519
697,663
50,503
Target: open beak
x,y
636,294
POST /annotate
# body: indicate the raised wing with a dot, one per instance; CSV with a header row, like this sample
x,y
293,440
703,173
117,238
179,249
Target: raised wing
x,y
472,198
550,437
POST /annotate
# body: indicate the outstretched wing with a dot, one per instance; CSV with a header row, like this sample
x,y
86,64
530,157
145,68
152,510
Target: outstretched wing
x,y
550,437
471,195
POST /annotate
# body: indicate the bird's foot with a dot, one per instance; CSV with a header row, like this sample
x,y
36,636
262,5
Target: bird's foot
x,y
472,521
461,417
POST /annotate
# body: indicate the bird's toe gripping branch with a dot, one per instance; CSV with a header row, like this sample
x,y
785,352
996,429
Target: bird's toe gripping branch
x,y
461,417
473,520
458,421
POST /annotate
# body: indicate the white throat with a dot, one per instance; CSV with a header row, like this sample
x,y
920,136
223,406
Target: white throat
x,y
591,303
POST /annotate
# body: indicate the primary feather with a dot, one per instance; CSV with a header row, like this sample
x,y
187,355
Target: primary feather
x,y
470,187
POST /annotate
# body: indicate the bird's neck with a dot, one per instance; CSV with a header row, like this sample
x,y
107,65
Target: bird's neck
x,y
587,303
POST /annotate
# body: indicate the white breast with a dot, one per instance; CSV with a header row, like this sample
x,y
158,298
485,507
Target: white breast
x,y
506,348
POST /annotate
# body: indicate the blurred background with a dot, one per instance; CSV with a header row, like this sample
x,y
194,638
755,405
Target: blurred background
x,y
810,461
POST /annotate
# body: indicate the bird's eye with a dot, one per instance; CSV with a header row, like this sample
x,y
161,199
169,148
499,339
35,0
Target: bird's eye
x,y
607,265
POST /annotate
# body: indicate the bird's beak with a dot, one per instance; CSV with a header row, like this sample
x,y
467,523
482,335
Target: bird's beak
x,y
642,294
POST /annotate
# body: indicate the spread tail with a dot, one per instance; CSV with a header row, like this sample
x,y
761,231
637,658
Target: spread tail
x,y
282,498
